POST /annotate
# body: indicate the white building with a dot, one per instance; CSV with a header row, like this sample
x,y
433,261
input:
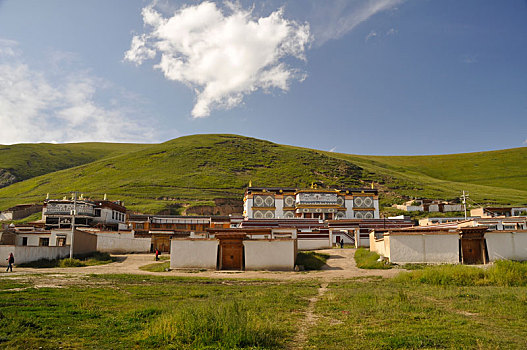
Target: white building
x,y
324,204
102,213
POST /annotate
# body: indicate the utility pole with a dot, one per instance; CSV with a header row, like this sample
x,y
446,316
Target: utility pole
x,y
73,213
464,201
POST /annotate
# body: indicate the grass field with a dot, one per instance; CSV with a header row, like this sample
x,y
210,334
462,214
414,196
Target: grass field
x,y
126,311
388,314
195,170
130,311
365,259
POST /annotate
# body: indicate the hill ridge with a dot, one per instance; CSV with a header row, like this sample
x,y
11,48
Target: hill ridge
x,y
182,172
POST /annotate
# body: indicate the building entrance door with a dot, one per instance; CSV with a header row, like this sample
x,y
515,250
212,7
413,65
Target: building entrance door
x,y
231,251
471,250
473,245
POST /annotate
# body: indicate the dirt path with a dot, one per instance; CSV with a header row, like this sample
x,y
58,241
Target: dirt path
x,y
340,265
310,319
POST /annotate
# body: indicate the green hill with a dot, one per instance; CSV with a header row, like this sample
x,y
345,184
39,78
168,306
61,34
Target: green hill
x,y
24,161
194,170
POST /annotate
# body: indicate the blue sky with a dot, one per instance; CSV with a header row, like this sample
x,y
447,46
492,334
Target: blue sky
x,y
364,77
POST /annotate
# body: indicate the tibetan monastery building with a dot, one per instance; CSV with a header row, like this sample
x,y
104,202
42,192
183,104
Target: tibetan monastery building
x,y
323,204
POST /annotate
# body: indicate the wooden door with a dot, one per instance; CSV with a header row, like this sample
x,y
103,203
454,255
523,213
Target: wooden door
x,y
231,254
471,250
162,244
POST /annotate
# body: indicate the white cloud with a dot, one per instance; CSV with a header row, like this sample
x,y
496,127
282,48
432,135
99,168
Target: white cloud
x,y
391,31
37,108
339,17
223,57
370,35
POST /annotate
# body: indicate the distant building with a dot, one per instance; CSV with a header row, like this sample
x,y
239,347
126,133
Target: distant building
x,y
466,243
488,212
429,206
493,223
323,204
20,211
56,214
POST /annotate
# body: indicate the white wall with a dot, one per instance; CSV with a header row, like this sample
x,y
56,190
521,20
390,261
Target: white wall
x,y
6,216
25,254
193,253
377,245
376,206
452,207
279,205
32,239
424,248
506,245
313,244
122,243
269,254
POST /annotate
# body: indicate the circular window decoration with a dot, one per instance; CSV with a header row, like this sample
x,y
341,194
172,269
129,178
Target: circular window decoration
x,y
368,215
358,202
318,210
340,201
289,201
331,210
258,201
305,210
289,215
269,215
269,201
358,215
368,202
340,215
258,215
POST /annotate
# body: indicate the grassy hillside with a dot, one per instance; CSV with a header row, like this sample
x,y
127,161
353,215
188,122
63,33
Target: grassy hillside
x,y
24,161
192,169
498,177
196,169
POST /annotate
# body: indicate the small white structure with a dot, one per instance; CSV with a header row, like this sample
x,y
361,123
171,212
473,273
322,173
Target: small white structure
x,y
119,242
29,254
236,249
186,253
507,245
468,245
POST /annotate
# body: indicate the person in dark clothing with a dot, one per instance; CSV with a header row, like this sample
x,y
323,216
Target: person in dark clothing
x,y
10,262
341,243
157,254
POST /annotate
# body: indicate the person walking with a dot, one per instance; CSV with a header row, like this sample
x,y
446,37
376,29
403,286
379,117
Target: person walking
x,y
10,262
157,254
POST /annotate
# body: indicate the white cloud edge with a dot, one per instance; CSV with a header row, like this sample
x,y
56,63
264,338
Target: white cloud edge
x,y
37,107
222,57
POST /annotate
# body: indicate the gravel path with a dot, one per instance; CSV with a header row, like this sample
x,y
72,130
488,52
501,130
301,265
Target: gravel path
x,y
340,265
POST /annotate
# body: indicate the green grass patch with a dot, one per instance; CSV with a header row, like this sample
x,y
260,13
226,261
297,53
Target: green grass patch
x,y
228,325
156,267
501,273
153,312
370,260
91,260
311,260
390,314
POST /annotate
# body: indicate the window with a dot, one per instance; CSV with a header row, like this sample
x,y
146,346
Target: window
x,y
61,241
97,213
44,242
24,240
